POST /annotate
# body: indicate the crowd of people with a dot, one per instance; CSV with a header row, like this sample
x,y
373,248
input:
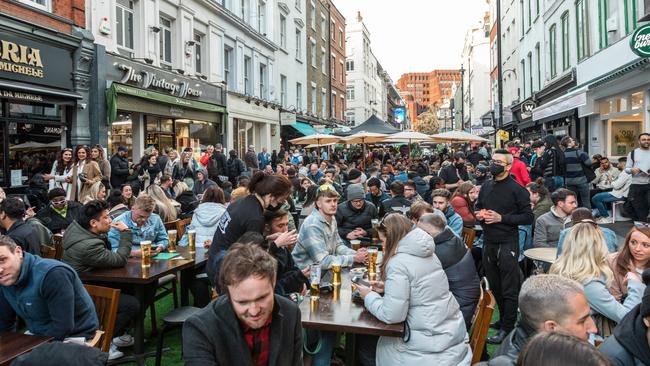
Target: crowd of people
x,y
268,217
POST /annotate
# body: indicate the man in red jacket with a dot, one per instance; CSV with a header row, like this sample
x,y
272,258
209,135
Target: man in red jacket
x,y
518,169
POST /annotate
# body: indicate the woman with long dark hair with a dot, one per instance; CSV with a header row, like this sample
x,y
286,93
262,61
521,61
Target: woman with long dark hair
x,y
633,256
85,173
540,197
463,202
415,291
149,172
61,170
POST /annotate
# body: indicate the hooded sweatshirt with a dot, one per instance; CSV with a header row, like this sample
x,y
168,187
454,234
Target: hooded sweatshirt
x,y
204,221
629,345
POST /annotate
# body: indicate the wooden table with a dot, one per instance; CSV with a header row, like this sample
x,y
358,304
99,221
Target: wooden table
x,y
13,345
144,280
344,315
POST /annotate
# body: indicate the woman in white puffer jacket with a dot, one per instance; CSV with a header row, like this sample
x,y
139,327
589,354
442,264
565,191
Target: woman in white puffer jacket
x,y
415,291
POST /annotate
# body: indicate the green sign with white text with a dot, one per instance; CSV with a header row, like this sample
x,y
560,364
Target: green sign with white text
x,y
640,41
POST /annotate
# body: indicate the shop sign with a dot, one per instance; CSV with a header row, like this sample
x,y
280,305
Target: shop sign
x,y
148,79
640,41
20,95
25,60
527,109
287,119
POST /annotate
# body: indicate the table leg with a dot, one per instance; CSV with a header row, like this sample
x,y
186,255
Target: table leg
x,y
187,275
350,349
140,294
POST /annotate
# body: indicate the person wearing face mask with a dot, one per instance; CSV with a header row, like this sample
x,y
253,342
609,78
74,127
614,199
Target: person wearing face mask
x,y
503,205
455,174
246,214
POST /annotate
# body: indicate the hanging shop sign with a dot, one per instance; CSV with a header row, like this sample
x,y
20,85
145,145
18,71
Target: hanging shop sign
x,y
640,41
151,80
527,109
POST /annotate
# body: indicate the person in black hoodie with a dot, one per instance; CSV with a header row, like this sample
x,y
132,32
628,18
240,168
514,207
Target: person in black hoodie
x,y
119,167
397,203
630,343
12,211
503,205
220,159
234,167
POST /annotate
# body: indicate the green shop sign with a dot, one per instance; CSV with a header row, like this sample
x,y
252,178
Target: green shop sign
x,y
640,41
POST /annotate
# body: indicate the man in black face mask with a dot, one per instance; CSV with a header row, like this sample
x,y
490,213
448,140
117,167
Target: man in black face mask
x,y
455,174
503,205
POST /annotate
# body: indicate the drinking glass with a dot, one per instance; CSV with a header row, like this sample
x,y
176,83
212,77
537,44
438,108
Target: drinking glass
x,y
171,235
372,260
145,257
191,239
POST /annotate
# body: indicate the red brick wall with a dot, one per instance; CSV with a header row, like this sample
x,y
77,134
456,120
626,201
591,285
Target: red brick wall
x,y
72,10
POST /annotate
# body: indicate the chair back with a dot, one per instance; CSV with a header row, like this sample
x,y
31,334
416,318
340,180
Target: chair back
x,y
106,301
48,251
171,225
468,236
181,225
481,321
57,243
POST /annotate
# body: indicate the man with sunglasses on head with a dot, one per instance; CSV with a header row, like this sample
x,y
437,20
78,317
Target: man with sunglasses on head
x,y
60,213
503,205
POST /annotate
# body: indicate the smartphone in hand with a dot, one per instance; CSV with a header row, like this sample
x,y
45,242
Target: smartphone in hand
x,y
360,281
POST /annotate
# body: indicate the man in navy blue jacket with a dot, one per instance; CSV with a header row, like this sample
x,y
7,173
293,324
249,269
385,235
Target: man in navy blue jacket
x,y
47,294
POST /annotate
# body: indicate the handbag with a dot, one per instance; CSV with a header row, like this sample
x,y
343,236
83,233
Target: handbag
x,y
586,169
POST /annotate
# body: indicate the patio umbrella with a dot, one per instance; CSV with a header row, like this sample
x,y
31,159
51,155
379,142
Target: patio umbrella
x,y
319,139
364,138
456,136
408,137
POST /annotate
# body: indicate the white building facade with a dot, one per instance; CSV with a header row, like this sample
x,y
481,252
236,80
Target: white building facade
x,y
476,78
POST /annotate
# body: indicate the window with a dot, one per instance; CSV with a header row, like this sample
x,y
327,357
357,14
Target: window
x,y
242,9
261,16
198,62
165,42
342,109
538,57
349,65
333,31
298,44
349,118
609,14
324,104
247,75
40,4
283,90
228,62
283,31
523,77
530,13
124,25
350,92
582,28
552,49
313,16
313,100
523,23
313,54
323,61
333,63
262,81
333,101
530,73
341,72
298,96
340,39
323,26
565,41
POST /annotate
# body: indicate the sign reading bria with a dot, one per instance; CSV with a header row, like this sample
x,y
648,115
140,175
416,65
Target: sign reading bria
x,y
20,59
146,80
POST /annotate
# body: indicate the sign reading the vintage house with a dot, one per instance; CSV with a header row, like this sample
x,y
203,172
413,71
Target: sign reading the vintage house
x,y
640,41
148,79
23,59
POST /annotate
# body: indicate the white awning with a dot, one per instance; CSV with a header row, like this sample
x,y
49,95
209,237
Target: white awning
x,y
560,105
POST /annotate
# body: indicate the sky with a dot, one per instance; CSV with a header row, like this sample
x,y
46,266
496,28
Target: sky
x,y
416,35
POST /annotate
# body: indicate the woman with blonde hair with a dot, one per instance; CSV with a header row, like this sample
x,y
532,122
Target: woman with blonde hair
x,y
97,155
97,192
633,256
168,169
85,173
415,291
583,260
164,206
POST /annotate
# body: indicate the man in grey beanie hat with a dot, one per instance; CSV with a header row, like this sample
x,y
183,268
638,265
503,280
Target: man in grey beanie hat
x,y
354,216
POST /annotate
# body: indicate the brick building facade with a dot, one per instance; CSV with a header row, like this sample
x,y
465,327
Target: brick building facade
x,y
337,63
422,89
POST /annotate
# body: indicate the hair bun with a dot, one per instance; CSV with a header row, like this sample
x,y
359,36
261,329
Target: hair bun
x,y
646,277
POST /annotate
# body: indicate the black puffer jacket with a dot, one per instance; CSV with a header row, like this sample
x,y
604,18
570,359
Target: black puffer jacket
x,y
458,264
348,218
119,170
629,345
508,352
397,203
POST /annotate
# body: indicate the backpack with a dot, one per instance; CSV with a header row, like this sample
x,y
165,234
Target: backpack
x,y
213,169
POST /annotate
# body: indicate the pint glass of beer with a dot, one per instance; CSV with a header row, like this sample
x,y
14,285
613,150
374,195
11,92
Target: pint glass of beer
x,y
355,244
336,270
372,260
171,235
191,239
314,281
145,257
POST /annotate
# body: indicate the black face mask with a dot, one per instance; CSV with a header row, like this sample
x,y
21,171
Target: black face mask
x,y
496,169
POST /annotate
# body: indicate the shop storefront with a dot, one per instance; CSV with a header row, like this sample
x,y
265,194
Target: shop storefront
x,y
555,111
254,122
38,101
147,106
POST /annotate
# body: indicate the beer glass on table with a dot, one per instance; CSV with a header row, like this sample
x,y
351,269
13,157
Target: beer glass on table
x,y
145,250
191,239
336,270
372,260
314,281
171,235
355,244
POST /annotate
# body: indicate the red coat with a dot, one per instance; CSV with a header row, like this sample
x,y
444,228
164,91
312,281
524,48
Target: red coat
x,y
520,172
466,213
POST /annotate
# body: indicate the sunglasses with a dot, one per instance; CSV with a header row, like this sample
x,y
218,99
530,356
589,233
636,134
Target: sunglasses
x,y
325,187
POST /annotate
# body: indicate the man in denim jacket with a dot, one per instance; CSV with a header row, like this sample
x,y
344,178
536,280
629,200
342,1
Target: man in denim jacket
x,y
144,225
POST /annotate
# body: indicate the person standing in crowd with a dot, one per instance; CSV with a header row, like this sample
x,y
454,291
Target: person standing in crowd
x,y
454,174
252,163
539,198
552,163
184,171
463,202
518,170
354,216
164,158
207,155
638,165
149,172
263,158
234,167
85,250
503,205
457,262
375,193
415,291
60,213
85,172
549,225
220,162
119,167
12,212
630,345
98,156
575,163
61,170
246,214
474,157
315,174
144,225
633,256
248,324
583,259
397,202
166,184
620,189
440,199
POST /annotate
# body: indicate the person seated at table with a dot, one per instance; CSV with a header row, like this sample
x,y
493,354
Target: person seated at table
x,y
397,202
188,200
12,211
144,225
463,202
60,213
202,182
539,197
549,225
457,262
633,256
415,291
440,199
376,194
86,249
583,260
290,278
547,303
418,209
166,184
581,214
116,204
206,216
163,206
248,324
354,216
45,293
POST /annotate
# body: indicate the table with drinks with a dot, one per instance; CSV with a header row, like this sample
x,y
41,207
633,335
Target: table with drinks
x,y
14,344
143,274
331,305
